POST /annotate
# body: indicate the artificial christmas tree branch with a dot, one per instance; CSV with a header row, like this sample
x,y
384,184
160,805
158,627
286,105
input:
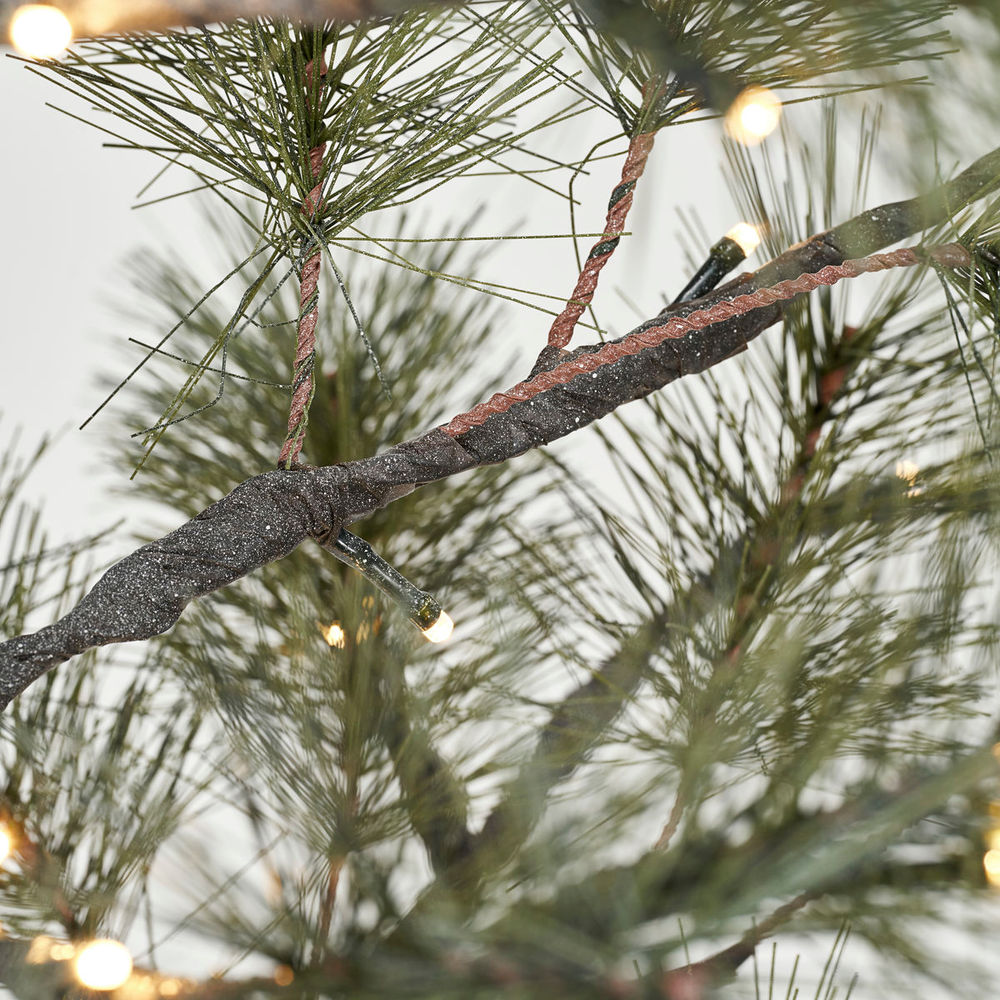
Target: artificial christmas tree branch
x,y
698,980
576,723
699,870
269,515
49,971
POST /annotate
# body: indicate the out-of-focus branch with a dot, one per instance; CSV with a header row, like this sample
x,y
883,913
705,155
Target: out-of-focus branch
x,y
42,970
436,802
573,729
699,980
763,550
110,17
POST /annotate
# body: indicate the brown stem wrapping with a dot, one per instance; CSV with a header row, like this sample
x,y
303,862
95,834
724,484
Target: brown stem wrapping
x,y
303,378
618,206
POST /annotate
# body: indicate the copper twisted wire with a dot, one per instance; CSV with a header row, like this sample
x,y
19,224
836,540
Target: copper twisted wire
x,y
614,225
303,382
949,255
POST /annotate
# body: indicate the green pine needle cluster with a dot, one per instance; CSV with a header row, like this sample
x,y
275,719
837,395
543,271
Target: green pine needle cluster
x,y
703,52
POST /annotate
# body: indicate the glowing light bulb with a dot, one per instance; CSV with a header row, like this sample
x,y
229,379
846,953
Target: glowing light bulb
x,y
991,865
753,116
729,252
40,31
441,630
334,634
103,964
908,471
746,236
6,844
284,975
421,608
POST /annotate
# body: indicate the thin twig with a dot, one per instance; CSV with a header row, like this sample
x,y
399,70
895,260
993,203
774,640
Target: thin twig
x,y
303,380
639,148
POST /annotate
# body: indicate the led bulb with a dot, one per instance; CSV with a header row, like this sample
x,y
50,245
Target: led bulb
x,y
334,634
991,865
103,964
40,31
753,115
421,608
441,630
908,472
6,844
747,236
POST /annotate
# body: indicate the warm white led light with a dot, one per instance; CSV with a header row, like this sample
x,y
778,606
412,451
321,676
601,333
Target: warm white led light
x,y
753,116
6,844
103,964
334,634
747,236
908,472
40,31
441,630
991,865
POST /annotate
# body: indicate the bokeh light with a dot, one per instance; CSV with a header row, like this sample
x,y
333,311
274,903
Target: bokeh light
x,y
40,31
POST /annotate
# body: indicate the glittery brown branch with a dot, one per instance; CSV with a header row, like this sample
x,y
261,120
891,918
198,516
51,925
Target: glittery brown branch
x,y
618,205
268,516
303,377
645,337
